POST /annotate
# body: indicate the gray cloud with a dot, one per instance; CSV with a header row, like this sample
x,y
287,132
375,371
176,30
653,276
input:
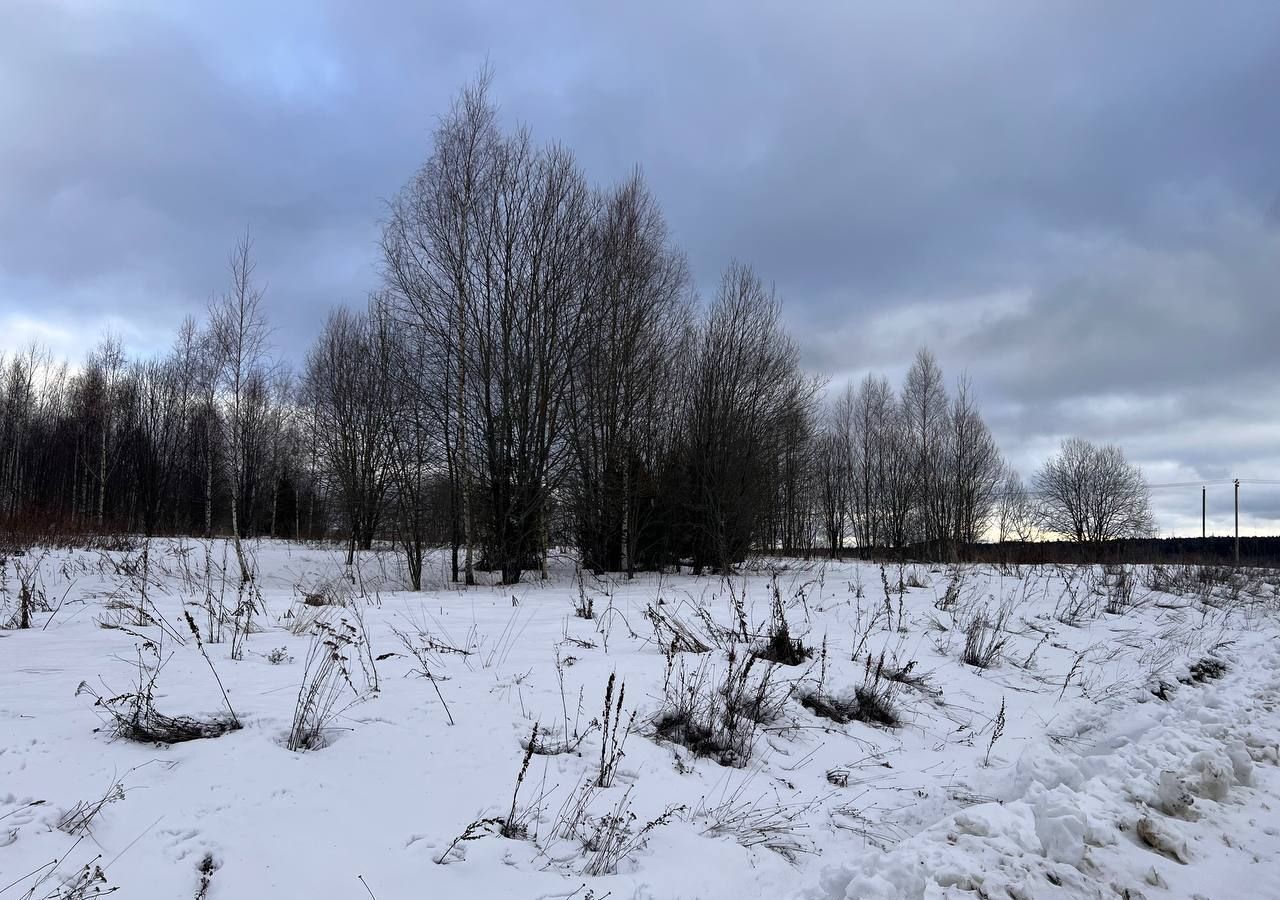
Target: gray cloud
x,y
1076,205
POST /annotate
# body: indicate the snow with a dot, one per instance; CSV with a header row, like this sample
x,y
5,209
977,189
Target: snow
x,y
1095,787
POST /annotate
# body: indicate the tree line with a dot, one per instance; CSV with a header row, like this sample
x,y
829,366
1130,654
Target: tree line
x,y
534,371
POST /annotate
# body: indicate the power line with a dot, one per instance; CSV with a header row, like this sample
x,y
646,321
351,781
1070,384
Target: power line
x,y
1167,485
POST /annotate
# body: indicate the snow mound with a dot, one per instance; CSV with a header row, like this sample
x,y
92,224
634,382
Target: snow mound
x,y
1151,802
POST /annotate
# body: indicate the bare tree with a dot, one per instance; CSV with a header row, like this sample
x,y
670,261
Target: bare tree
x,y
973,470
1017,514
238,337
528,328
833,475
794,518
1090,493
159,419
880,492
20,407
349,382
486,254
924,411
622,375
434,267
103,375
745,385
415,443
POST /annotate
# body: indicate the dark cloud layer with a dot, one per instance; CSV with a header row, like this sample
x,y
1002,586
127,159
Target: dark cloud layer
x,y
1077,204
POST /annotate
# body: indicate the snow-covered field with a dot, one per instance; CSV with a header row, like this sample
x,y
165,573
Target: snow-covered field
x,y
1120,742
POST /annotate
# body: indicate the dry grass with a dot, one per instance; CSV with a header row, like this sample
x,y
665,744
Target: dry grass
x,y
718,715
132,715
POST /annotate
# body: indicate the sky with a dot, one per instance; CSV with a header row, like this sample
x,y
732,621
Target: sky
x,y
1075,204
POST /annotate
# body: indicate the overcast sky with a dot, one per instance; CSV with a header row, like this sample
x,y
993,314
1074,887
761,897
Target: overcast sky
x,y
1076,203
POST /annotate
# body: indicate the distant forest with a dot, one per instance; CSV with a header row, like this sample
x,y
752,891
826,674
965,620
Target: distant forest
x,y
1179,551
534,371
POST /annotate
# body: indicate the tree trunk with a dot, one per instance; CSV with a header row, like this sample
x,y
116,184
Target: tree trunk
x,y
102,476
245,575
463,466
510,571
208,490
275,501
545,535
626,519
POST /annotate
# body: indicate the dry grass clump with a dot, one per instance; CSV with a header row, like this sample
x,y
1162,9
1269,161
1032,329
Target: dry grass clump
x,y
908,675
985,638
326,679
874,702
951,596
1118,582
1207,669
29,597
673,633
758,823
611,744
1078,601
132,715
335,591
548,741
779,646
719,717
302,618
610,838
78,820
1216,585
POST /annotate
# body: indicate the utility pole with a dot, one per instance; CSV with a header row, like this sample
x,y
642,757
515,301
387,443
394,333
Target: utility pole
x,y
1237,483
1202,512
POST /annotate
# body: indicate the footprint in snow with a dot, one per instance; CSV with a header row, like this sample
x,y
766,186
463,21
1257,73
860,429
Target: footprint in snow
x,y
181,840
